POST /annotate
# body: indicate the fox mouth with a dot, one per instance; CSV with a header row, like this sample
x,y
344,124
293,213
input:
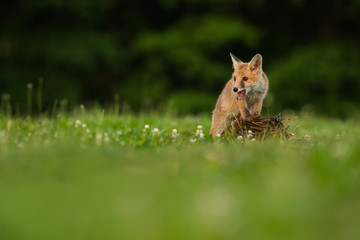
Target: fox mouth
x,y
241,94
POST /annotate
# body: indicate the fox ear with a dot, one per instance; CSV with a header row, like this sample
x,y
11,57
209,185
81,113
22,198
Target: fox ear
x,y
256,62
235,60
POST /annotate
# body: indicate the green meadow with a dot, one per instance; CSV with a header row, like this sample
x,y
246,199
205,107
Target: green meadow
x,y
136,161
93,174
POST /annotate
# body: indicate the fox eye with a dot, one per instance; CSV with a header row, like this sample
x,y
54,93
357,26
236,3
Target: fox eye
x,y
234,78
245,78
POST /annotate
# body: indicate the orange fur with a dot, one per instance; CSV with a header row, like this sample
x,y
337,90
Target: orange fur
x,y
248,77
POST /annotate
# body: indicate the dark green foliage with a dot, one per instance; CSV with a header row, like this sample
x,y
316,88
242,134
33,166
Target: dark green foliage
x,y
325,76
149,51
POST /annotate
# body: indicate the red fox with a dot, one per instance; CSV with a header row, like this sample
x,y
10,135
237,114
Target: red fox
x,y
243,94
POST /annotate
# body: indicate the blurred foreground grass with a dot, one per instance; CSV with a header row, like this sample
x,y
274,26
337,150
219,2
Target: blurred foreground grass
x,y
101,176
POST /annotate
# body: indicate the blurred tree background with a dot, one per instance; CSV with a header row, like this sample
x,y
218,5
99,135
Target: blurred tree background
x,y
175,54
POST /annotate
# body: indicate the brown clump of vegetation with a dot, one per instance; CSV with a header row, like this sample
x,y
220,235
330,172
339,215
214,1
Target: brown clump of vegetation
x,y
260,127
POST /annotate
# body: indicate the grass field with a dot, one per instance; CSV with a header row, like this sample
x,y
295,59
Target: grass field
x,y
94,175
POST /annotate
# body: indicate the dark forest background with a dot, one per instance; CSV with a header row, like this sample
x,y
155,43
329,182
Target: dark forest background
x,y
174,54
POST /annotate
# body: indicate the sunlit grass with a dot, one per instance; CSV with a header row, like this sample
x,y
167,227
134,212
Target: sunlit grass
x,y
96,175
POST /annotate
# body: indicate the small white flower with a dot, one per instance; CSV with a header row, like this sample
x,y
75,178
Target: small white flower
x,y
192,140
240,137
249,136
98,138
106,139
253,140
307,137
201,135
174,133
218,135
88,130
250,131
77,123
291,134
199,127
155,131
119,132
83,125
146,127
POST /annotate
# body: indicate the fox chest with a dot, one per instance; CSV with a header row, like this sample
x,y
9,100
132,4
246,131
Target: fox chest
x,y
252,98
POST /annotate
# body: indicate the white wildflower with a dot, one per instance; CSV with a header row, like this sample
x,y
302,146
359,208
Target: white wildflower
x,y
98,138
249,131
253,140
291,134
201,135
119,132
83,125
307,137
174,133
77,123
146,127
88,130
192,140
106,139
218,135
240,137
199,127
249,136
155,131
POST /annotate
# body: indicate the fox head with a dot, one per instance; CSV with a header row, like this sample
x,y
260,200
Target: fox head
x,y
246,76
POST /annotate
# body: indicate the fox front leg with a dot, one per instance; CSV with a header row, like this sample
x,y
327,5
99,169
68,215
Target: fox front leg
x,y
243,108
256,108
218,120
